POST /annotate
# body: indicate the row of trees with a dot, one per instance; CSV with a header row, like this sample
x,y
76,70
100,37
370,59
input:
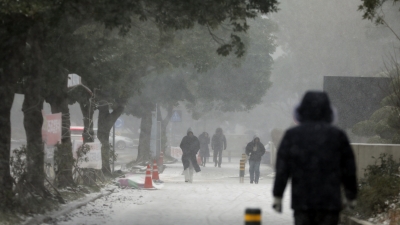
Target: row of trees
x,y
226,84
113,45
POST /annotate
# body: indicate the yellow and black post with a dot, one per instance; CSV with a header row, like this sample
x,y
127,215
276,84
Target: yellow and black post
x,y
244,157
241,172
252,217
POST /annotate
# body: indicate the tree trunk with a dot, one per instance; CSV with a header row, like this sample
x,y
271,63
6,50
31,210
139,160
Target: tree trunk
x,y
87,112
59,104
105,123
164,124
6,183
144,138
103,133
33,119
10,60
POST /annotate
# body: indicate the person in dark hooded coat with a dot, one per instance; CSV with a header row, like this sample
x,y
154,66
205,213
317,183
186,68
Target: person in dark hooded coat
x,y
204,150
255,150
318,159
190,145
218,143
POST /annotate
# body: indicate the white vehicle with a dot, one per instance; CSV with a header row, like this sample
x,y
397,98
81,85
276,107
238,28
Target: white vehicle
x,y
121,142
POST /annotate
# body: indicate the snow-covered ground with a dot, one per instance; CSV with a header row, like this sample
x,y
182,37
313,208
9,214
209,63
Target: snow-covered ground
x,y
215,197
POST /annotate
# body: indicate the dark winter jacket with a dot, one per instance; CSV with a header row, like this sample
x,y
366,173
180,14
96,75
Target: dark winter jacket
x,y
190,146
204,142
255,155
218,141
317,157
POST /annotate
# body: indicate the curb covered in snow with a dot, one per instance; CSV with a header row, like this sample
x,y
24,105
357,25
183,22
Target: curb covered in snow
x,y
65,210
348,220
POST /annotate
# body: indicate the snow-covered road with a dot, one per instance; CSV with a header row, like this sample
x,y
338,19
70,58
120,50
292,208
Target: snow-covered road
x,y
215,197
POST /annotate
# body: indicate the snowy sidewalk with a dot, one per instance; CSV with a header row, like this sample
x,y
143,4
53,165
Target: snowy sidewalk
x,y
214,197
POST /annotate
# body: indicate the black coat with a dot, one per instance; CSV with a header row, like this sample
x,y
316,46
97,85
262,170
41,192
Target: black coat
x,y
190,146
218,142
319,159
255,155
204,142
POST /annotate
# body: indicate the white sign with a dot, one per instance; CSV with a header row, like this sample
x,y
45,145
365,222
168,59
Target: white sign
x,y
93,156
74,80
49,152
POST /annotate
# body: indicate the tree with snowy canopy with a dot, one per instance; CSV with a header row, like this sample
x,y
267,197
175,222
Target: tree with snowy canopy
x,y
26,24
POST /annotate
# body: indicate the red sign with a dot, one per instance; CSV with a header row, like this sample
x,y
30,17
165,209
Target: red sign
x,y
44,127
176,152
53,129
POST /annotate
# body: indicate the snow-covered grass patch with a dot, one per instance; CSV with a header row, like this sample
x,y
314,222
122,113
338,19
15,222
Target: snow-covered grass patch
x,y
100,209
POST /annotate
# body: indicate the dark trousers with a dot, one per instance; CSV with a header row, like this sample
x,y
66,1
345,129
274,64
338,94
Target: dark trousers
x,y
203,160
218,153
316,217
254,169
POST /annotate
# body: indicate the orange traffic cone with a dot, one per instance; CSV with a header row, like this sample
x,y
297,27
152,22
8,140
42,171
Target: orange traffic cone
x,y
148,183
155,171
161,159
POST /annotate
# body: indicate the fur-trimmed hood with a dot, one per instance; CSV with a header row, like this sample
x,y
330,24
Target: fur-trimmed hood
x,y
315,107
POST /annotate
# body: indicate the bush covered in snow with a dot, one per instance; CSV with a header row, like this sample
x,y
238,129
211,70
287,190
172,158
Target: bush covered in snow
x,y
380,187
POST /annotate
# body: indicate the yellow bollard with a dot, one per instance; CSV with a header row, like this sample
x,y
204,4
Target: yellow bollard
x,y
241,171
252,217
244,157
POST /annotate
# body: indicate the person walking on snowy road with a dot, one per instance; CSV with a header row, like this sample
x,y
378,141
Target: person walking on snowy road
x,y
204,150
190,145
318,159
255,150
218,143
